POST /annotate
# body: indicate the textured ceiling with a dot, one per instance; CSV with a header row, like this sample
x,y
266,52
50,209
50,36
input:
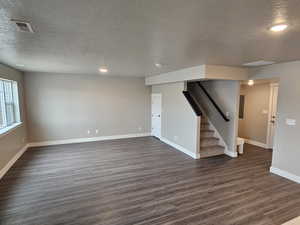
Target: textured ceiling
x,y
129,36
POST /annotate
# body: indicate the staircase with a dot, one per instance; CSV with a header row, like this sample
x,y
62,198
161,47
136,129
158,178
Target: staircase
x,y
209,143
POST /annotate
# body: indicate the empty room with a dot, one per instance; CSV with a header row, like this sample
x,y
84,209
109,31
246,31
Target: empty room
x,y
165,112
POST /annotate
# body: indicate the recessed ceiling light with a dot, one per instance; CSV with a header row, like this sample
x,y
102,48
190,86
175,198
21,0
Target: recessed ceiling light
x,y
250,82
103,70
279,27
158,65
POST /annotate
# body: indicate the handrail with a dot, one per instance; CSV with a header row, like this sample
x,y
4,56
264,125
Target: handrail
x,y
213,102
193,103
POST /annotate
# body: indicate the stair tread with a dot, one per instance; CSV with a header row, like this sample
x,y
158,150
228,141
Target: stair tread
x,y
212,146
210,151
211,138
206,130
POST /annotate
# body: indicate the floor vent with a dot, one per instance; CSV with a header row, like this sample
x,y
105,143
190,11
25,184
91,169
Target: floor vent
x,y
23,26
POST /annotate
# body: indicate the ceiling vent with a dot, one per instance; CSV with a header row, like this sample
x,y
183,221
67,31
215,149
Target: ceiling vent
x,y
23,26
259,63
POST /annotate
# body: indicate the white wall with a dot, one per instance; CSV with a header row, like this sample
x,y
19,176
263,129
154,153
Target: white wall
x,y
286,154
13,141
179,122
66,106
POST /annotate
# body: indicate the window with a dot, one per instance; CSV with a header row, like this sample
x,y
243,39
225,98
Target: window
x,y
9,104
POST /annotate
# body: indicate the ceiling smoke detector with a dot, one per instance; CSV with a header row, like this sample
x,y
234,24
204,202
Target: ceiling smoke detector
x,y
23,26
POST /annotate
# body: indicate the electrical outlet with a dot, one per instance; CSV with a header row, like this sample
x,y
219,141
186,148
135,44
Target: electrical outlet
x,y
175,138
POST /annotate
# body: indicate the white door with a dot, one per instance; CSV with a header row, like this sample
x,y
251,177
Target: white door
x,y
156,115
273,114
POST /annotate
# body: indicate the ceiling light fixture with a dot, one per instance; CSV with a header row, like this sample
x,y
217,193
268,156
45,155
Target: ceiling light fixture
x,y
279,27
103,70
259,63
250,82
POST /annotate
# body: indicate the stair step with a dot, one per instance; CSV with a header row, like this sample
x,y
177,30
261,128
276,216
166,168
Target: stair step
x,y
204,122
204,119
208,141
212,150
207,133
204,126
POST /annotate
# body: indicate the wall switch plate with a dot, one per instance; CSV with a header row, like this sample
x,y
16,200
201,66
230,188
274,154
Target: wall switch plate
x,y
88,131
140,129
175,138
290,122
96,131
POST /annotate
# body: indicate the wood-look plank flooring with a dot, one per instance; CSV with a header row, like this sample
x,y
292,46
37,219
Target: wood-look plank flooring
x,y
143,181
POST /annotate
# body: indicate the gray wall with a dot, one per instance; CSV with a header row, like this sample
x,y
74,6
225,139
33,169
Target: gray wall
x,y
286,152
179,122
254,126
226,94
65,106
13,141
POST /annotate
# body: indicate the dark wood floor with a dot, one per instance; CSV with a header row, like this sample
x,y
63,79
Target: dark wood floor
x,y
143,181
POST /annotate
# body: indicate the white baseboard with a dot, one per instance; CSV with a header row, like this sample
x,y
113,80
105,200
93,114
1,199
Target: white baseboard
x,y
83,140
256,143
285,174
11,162
180,148
230,153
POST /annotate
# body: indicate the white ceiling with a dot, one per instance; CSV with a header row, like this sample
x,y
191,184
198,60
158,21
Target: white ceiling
x,y
130,36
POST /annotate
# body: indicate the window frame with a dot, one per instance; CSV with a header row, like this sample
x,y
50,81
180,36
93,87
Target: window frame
x,y
13,102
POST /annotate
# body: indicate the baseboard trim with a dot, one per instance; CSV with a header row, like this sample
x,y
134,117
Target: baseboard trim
x,y
231,154
83,140
256,143
11,162
285,174
180,148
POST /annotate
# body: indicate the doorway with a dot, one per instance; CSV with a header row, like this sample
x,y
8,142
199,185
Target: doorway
x,y
258,112
156,104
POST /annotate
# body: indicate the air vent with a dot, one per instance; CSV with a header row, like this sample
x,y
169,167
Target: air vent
x,y
259,63
23,26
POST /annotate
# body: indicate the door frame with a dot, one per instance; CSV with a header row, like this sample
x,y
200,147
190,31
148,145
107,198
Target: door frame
x,y
269,131
160,95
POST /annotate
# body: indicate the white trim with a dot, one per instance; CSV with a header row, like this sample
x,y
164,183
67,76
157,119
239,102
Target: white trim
x,y
7,130
230,153
180,148
11,162
285,174
82,140
256,143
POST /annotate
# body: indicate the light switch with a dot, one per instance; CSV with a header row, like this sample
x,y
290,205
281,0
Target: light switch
x,y
290,122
